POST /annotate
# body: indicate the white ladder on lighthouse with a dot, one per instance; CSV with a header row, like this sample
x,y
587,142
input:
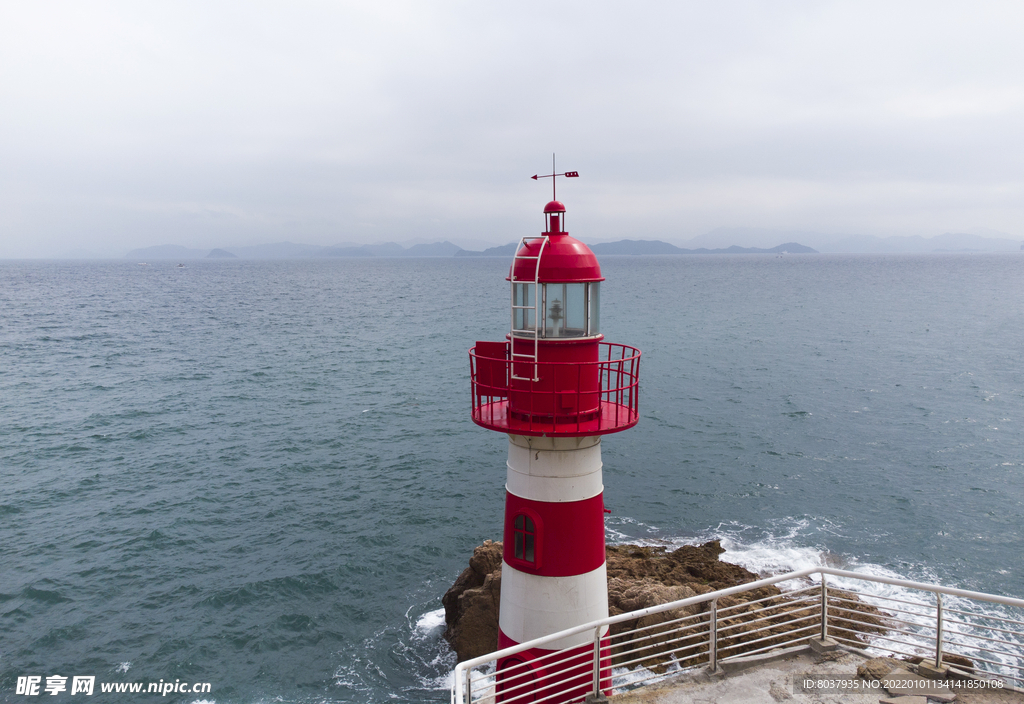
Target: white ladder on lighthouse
x,y
521,356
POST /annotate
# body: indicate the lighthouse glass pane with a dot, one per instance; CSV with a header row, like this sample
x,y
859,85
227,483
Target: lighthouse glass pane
x,y
565,310
595,308
523,318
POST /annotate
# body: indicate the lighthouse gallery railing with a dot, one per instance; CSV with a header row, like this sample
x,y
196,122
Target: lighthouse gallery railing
x,y
701,631
614,403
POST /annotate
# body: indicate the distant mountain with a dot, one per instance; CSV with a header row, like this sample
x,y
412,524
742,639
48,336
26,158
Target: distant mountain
x,y
635,247
277,250
437,249
167,251
640,247
649,247
505,250
220,254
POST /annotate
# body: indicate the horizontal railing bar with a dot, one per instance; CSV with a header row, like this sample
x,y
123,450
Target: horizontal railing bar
x,y
701,615
623,649
995,651
747,622
923,605
916,634
860,646
769,626
888,600
922,586
759,640
983,616
772,609
848,614
782,599
772,646
984,628
633,651
888,618
995,662
965,638
876,635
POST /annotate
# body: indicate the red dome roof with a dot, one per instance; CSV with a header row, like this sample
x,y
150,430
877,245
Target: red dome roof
x,y
565,260
554,207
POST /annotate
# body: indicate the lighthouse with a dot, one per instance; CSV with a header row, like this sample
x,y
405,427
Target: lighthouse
x,y
555,388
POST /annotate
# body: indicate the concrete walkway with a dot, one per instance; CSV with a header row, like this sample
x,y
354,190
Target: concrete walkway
x,y
776,677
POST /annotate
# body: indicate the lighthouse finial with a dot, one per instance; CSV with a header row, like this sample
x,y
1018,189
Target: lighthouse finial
x,y
553,174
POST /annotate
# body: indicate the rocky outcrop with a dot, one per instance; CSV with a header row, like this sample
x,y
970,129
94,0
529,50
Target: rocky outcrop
x,y
640,577
471,605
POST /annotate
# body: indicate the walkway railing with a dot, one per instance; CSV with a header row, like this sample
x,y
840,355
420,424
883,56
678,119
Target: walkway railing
x,y
974,633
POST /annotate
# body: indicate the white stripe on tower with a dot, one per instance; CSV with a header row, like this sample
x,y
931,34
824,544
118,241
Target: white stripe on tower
x,y
558,483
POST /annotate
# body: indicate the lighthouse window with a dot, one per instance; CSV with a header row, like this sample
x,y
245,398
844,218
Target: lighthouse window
x,y
568,310
594,308
565,310
524,536
524,318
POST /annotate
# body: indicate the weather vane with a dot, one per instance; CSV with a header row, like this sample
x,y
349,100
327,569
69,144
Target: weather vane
x,y
552,175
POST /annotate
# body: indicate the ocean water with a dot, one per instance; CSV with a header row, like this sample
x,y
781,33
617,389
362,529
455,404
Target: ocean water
x,y
263,475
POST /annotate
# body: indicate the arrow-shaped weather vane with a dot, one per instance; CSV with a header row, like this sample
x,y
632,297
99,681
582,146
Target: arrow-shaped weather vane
x,y
552,175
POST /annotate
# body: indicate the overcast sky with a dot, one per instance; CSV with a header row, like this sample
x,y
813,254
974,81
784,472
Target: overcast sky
x,y
216,124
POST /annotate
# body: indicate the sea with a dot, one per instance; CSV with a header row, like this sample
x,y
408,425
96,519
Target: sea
x,y
262,475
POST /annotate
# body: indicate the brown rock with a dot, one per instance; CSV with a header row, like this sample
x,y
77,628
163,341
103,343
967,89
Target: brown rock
x,y
949,659
877,668
471,605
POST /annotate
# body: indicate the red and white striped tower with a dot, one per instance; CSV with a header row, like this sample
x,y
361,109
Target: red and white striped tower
x,y
554,387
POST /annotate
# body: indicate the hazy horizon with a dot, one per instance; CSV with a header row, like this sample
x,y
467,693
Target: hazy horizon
x,y
219,125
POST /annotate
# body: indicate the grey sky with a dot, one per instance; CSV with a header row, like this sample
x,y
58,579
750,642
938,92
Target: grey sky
x,y
213,124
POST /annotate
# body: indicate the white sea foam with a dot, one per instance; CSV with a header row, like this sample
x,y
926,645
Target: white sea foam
x,y
429,623
123,667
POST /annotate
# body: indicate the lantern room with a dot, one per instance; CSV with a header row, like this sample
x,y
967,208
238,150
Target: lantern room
x,y
555,284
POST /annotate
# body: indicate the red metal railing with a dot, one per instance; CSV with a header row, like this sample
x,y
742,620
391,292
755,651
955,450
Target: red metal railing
x,y
564,400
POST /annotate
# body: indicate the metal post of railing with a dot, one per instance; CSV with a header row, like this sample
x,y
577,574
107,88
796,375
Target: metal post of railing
x,y
713,639
938,630
597,662
824,609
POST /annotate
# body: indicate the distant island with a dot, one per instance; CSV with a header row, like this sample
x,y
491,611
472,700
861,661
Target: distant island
x,y
650,247
288,250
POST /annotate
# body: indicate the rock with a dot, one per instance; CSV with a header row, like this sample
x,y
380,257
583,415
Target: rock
x,y
877,668
964,664
625,596
471,605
